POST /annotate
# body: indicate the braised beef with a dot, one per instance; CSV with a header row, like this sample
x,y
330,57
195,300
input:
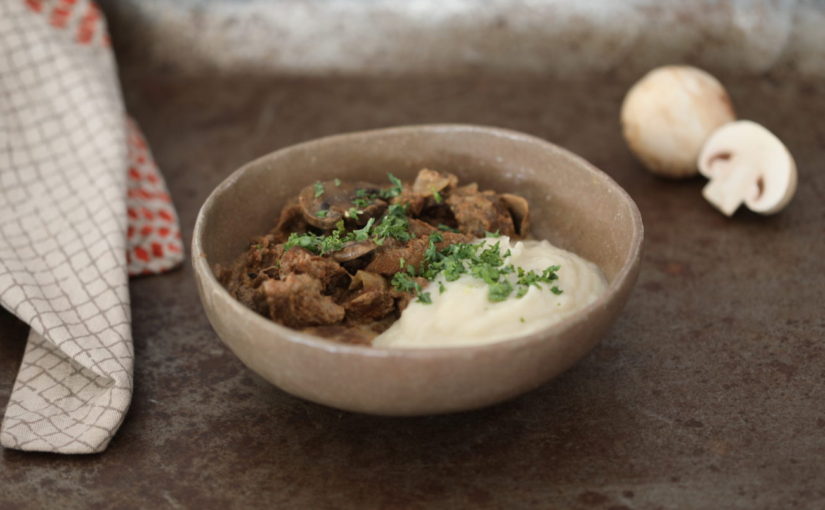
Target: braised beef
x,y
297,301
478,212
324,269
315,272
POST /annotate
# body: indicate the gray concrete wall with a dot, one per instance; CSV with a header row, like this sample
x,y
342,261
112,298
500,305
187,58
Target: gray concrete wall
x,y
554,37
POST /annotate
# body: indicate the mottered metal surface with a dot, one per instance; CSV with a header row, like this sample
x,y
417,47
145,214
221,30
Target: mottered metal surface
x,y
709,391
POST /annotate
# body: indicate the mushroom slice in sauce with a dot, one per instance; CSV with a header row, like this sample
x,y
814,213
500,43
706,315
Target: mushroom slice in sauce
x,y
324,204
428,182
519,210
354,250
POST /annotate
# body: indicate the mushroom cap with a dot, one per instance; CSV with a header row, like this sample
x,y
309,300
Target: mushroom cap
x,y
746,158
668,114
335,198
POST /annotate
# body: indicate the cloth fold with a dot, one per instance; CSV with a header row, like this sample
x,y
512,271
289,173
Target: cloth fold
x,y
78,190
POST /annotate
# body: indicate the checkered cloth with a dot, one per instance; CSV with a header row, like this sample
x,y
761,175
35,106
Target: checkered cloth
x,y
82,206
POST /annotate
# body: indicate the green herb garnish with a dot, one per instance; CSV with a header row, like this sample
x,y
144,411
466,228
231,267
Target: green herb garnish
x,y
403,282
322,213
337,182
394,190
437,196
319,189
361,203
447,228
362,234
394,224
485,263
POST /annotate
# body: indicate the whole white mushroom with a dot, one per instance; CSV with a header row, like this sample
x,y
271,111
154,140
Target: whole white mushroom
x,y
668,114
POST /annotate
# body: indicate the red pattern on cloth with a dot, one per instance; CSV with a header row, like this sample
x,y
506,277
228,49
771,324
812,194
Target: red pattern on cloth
x,y
154,239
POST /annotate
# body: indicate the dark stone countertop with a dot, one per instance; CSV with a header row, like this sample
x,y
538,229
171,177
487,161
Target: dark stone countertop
x,y
709,392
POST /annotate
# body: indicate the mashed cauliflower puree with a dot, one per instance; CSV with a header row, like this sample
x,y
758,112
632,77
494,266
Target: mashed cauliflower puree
x,y
463,314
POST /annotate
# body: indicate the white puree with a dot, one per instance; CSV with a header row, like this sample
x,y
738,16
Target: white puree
x,y
463,315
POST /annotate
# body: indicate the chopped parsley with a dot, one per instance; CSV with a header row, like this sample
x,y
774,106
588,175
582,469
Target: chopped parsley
x,y
437,196
447,228
485,263
393,224
394,190
319,188
353,212
362,234
322,213
318,244
425,298
403,282
361,203
337,182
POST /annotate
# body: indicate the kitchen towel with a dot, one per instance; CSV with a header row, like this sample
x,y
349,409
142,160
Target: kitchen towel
x,y
82,207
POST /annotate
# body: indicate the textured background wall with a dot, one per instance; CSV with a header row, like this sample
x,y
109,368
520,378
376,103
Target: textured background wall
x,y
556,37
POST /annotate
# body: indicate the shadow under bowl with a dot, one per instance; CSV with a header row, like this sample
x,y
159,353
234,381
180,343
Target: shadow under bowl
x,y
574,205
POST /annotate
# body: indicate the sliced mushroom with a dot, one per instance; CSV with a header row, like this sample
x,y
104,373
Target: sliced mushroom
x,y
428,182
353,250
324,204
520,211
368,281
747,163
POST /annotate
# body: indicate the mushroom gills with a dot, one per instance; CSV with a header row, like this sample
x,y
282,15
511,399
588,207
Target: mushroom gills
x,y
747,164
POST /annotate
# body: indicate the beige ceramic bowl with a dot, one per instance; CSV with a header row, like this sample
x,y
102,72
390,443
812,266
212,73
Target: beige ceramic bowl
x,y
574,205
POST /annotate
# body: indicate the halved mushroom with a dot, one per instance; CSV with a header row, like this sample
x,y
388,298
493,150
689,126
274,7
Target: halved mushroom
x,y
520,211
747,163
324,204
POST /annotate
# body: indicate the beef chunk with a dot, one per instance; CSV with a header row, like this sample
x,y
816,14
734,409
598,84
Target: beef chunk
x,y
479,212
371,300
369,305
296,302
387,259
242,284
419,228
300,261
263,255
291,220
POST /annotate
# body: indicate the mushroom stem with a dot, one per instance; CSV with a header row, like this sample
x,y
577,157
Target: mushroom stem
x,y
731,185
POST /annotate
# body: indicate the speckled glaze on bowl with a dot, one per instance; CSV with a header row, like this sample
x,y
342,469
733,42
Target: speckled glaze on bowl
x,y
574,205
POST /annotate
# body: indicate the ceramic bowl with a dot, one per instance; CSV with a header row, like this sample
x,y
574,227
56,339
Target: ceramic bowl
x,y
573,204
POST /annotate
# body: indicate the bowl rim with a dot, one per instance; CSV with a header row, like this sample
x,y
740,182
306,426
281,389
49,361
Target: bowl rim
x,y
203,271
